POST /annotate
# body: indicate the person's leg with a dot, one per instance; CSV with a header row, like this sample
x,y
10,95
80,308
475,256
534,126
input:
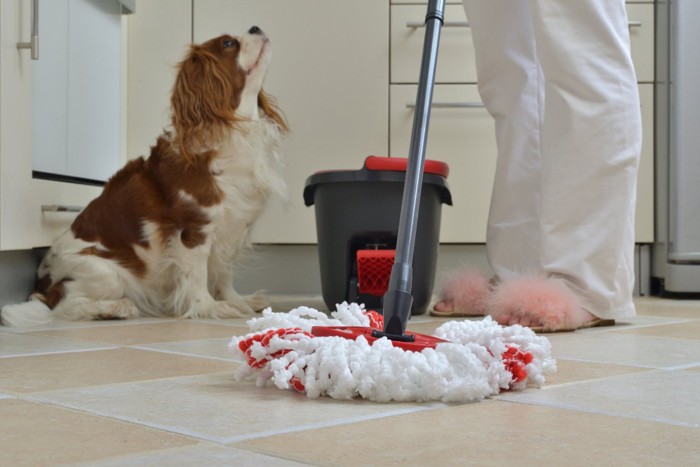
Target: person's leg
x,y
510,85
591,143
582,251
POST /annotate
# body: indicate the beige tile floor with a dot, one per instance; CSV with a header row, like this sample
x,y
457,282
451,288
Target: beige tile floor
x,y
161,392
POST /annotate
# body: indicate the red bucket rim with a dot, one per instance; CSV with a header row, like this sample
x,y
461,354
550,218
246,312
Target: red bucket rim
x,y
400,164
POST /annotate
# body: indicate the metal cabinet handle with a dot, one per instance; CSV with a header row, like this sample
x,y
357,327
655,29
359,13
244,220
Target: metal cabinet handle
x,y
452,105
60,208
446,24
33,43
465,24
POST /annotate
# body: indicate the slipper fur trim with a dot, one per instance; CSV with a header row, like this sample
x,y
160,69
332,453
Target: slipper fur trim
x,y
538,299
468,290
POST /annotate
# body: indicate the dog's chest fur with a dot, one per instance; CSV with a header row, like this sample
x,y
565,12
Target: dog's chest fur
x,y
247,171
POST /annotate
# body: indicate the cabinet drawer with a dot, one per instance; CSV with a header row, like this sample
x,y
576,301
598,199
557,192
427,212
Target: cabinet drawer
x,y
464,138
456,56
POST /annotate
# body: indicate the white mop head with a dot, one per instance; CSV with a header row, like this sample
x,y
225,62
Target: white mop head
x,y
481,359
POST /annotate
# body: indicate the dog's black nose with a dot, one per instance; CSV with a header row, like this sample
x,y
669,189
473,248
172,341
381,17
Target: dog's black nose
x,y
255,30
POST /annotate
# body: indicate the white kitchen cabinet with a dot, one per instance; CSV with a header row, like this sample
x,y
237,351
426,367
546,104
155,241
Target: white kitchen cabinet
x,y
463,135
24,219
329,74
345,93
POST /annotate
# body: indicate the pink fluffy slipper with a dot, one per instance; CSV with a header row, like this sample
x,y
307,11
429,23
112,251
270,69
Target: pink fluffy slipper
x,y
544,304
464,294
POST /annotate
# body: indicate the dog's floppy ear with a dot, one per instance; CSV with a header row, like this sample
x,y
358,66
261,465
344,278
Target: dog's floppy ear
x,y
204,100
267,104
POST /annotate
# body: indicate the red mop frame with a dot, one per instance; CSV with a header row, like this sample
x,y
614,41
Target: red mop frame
x,y
414,342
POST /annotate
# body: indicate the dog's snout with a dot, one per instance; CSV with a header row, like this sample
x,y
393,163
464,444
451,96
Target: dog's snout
x,y
255,30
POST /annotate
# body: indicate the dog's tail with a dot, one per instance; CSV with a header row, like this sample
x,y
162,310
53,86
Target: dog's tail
x,y
31,313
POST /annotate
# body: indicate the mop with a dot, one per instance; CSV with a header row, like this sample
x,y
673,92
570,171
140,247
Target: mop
x,y
473,360
360,353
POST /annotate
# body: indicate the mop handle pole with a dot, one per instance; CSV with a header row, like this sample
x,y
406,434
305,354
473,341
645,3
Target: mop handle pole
x,y
398,299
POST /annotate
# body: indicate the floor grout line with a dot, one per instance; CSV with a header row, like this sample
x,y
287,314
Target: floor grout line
x,y
573,408
337,422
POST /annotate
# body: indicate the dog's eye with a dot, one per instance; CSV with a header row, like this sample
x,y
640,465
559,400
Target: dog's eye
x,y
230,43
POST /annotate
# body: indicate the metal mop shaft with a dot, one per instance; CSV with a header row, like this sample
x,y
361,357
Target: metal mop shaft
x,y
398,299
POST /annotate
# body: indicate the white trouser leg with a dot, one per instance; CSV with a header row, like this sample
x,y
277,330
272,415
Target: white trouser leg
x,y
591,143
565,185
510,87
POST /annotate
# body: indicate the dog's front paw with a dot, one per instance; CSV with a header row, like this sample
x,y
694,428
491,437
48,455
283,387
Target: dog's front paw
x,y
257,301
117,309
221,310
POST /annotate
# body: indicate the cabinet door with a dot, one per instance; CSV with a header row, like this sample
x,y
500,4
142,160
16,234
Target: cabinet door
x,y
23,222
330,76
77,90
158,37
462,134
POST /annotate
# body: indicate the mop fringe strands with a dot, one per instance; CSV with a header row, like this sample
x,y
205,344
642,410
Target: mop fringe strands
x,y
481,358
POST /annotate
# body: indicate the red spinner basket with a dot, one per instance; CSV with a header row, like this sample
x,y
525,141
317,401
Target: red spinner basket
x,y
374,270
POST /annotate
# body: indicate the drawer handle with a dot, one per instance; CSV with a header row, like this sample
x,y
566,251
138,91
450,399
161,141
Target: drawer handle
x,y
452,105
33,44
465,24
446,24
60,208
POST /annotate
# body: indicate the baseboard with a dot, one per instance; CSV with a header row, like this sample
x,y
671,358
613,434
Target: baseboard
x,y
279,269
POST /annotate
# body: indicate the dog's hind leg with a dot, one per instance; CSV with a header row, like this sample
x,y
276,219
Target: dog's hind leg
x,y
95,292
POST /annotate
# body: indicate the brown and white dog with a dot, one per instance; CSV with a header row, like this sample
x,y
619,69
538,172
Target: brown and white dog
x,y
162,238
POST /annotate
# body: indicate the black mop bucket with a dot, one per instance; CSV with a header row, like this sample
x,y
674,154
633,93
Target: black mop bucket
x,y
357,222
